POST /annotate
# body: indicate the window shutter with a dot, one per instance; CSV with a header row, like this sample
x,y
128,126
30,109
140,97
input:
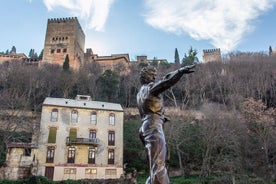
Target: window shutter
x,y
73,134
52,135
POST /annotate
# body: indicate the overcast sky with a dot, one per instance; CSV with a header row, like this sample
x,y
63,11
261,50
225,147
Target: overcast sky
x,y
145,27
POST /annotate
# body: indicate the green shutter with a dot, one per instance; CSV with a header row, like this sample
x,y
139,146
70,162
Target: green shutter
x,y
73,134
52,135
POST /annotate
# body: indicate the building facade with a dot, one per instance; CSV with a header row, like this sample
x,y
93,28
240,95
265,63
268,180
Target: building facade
x,y
80,139
211,55
64,36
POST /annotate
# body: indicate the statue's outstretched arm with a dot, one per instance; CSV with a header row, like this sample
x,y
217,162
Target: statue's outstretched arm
x,y
170,79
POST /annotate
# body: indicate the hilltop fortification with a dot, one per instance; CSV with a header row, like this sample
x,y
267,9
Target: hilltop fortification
x,y
64,36
211,55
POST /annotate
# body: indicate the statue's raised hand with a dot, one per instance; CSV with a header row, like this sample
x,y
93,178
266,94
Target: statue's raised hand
x,y
187,69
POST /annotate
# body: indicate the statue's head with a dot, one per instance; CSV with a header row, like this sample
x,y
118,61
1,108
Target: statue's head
x,y
148,74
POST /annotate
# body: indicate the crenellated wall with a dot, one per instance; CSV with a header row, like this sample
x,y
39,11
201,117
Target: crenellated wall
x,y
211,55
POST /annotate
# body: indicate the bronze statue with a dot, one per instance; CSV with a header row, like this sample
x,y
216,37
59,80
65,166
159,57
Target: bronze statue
x,y
150,105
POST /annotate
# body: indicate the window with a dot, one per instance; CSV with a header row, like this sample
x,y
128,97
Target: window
x,y
54,115
58,50
111,138
71,155
112,119
73,135
50,154
110,156
110,172
52,51
92,135
90,171
74,116
91,155
70,171
27,152
93,118
52,135
64,50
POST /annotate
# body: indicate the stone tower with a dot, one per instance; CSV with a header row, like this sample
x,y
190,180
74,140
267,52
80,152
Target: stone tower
x,y
210,55
64,36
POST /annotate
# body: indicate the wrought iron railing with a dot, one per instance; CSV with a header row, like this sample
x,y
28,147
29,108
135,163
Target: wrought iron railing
x,y
93,141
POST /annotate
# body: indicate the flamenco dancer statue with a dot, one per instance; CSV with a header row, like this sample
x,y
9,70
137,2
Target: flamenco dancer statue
x,y
150,105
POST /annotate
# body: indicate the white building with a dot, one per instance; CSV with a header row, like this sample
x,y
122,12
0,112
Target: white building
x,y
80,139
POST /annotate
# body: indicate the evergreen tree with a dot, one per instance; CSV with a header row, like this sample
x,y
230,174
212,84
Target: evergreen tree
x,y
13,50
270,51
35,56
190,58
66,65
108,86
31,53
176,57
7,51
41,54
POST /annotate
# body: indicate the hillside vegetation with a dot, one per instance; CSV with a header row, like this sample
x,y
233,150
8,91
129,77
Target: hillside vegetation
x,y
222,116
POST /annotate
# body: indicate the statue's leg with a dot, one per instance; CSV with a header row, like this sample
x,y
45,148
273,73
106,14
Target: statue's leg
x,y
156,148
154,141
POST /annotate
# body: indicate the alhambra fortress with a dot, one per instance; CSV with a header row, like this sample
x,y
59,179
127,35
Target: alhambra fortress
x,y
65,36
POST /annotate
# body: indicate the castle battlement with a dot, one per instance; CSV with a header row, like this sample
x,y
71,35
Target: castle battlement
x,y
59,20
65,20
210,55
211,50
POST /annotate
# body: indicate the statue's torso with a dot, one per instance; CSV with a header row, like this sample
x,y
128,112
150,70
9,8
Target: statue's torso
x,y
149,104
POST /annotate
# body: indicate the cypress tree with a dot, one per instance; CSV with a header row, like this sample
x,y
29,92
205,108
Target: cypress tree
x,y
176,57
66,65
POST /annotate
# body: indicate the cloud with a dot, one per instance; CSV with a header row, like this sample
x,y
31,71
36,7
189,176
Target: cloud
x,y
223,23
94,12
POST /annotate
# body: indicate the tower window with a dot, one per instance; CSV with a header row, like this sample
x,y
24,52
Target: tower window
x,y
58,50
64,50
52,51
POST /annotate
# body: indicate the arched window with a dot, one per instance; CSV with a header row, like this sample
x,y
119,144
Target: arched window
x,y
112,119
74,116
54,115
93,118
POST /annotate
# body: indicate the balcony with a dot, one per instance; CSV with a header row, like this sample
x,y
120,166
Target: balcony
x,y
81,141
